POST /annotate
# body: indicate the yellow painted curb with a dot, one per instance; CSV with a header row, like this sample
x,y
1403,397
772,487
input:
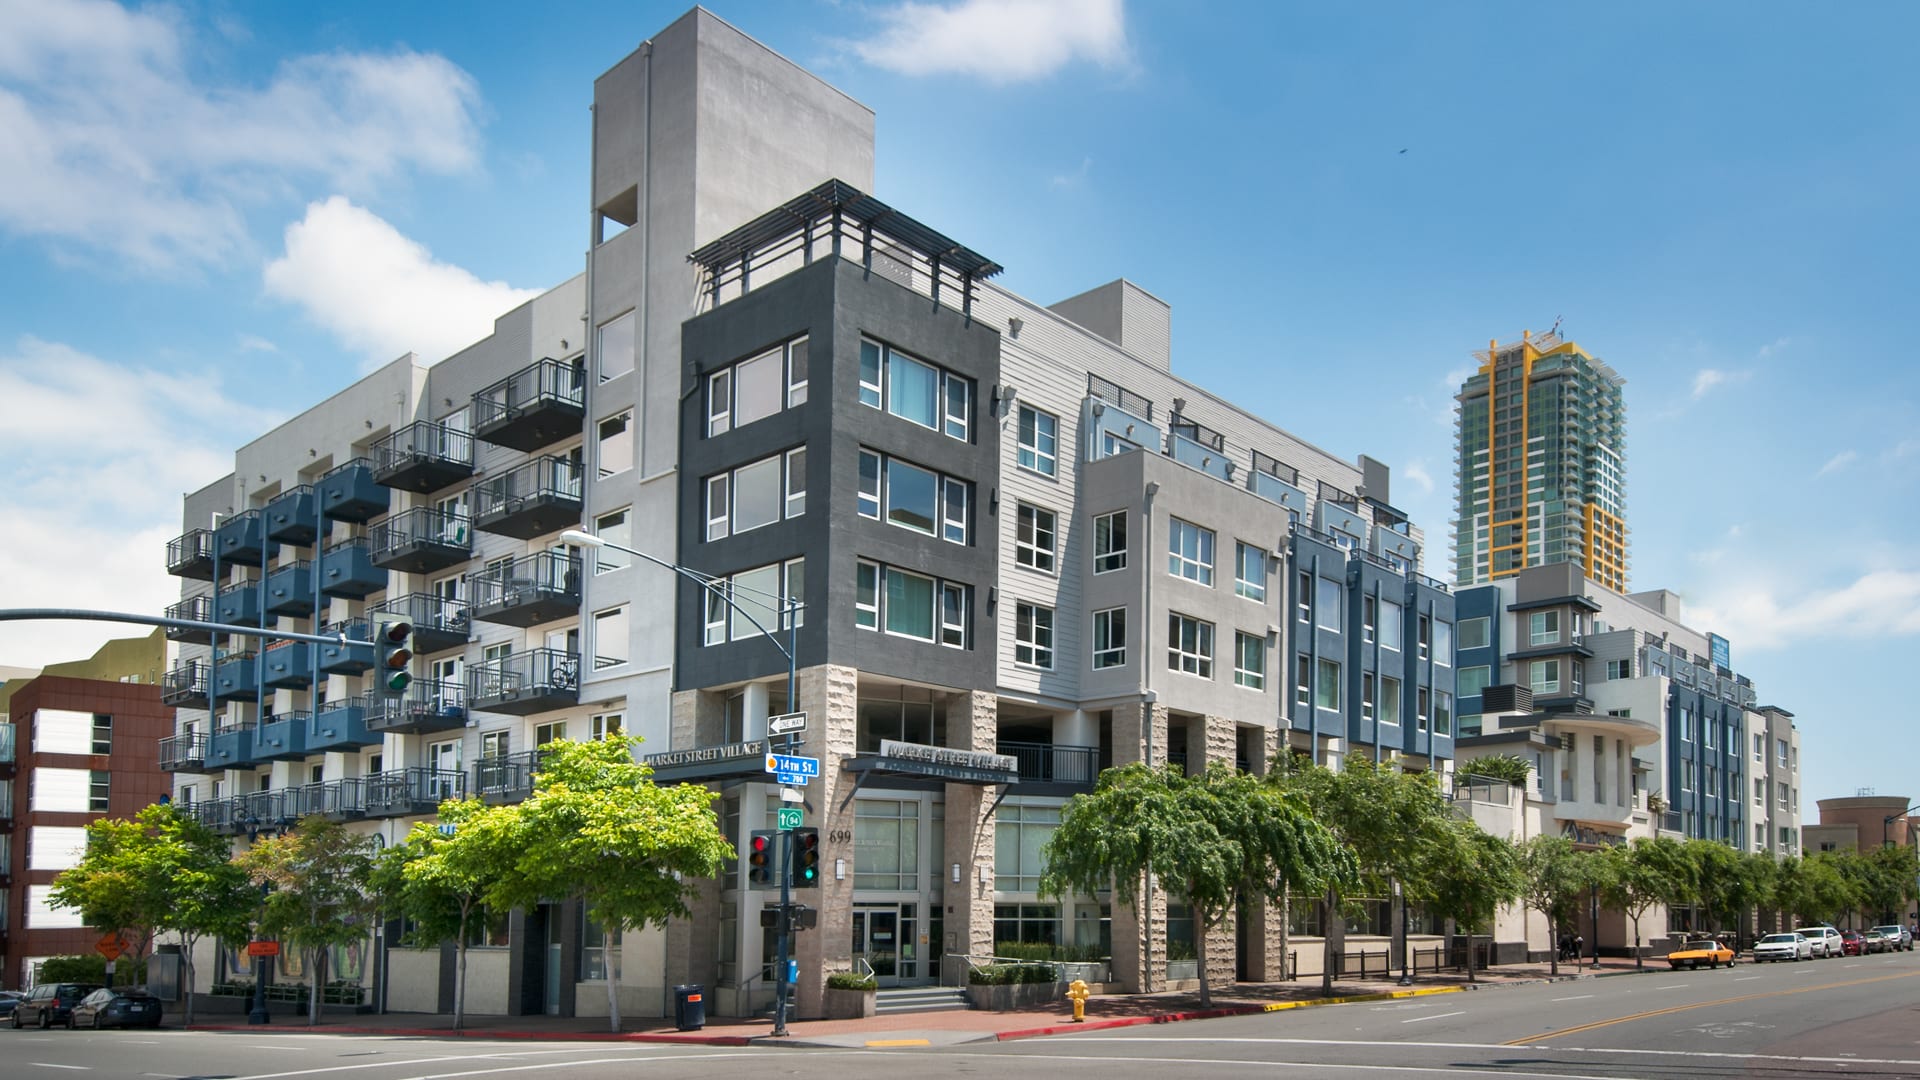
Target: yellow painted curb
x,y
899,1042
1391,996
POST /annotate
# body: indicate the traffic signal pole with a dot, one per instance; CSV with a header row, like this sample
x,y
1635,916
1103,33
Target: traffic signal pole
x,y
782,992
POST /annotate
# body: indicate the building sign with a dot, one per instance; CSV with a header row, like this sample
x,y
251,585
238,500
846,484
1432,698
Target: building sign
x,y
702,763
1587,834
940,763
1720,650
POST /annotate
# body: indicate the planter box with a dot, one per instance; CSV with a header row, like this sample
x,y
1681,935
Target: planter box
x,y
1013,997
1182,969
1094,972
848,1004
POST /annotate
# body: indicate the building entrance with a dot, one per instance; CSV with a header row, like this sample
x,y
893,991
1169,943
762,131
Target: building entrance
x,y
885,936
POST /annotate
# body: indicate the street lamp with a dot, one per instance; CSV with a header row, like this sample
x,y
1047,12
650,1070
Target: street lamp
x,y
1886,826
789,608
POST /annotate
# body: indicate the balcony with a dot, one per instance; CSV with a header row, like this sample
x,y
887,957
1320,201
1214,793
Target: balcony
x,y
532,589
438,623
533,407
231,748
239,606
428,705
1054,766
292,517
256,811
423,456
347,571
192,609
242,538
190,555
422,540
526,682
349,493
236,677
290,589
352,658
341,725
184,753
536,498
507,778
283,737
185,686
336,800
288,665
406,792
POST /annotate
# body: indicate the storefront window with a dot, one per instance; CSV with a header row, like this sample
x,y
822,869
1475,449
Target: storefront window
x,y
593,953
886,845
1020,832
922,721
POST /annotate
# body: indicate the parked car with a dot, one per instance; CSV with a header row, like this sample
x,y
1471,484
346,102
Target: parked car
x,y
1787,946
8,999
119,1006
50,1003
1852,943
1826,940
1875,941
1700,952
1899,938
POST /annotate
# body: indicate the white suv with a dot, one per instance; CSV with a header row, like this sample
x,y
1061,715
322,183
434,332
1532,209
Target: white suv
x,y
1826,940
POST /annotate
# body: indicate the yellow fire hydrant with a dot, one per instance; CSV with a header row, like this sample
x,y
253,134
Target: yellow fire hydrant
x,y
1077,990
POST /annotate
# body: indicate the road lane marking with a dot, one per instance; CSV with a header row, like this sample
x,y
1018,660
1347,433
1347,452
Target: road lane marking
x,y
899,1042
1434,1016
51,1065
1576,997
449,1058
1530,1040
1675,986
1746,978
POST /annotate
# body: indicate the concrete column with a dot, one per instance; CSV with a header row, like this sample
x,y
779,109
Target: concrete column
x,y
1140,933
972,724
1075,727
830,696
755,703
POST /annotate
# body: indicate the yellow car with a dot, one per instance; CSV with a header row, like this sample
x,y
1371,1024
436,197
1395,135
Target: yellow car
x,y
1700,953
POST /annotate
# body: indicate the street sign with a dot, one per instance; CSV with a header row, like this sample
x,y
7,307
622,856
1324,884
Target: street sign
x,y
263,948
788,794
794,778
792,763
791,817
786,723
109,946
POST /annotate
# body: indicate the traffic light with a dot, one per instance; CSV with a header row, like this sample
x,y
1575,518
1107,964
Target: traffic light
x,y
806,857
760,859
393,638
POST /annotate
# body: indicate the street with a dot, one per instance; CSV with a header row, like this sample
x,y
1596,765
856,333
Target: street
x,y
1841,1017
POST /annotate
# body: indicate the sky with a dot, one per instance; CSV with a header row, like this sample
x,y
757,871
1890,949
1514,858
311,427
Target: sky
x,y
213,214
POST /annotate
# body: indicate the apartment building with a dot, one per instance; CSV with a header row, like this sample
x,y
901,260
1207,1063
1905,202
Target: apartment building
x,y
995,545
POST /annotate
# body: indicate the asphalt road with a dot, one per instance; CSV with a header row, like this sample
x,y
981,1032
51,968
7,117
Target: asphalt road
x,y
1844,1017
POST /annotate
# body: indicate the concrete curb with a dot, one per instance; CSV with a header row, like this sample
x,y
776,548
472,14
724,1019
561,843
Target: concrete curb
x,y
1224,1011
684,1038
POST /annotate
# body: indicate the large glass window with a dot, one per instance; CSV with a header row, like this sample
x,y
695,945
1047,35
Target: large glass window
x,y
1110,638
1039,441
1036,539
1189,645
615,347
1472,680
915,390
756,494
1545,676
611,644
1389,699
1020,835
909,600
903,603
1391,630
1473,633
886,844
1326,603
615,528
1189,551
1249,660
1442,713
1442,643
757,387
914,498
1327,688
1033,635
1543,627
1110,542
1250,571
757,593
616,444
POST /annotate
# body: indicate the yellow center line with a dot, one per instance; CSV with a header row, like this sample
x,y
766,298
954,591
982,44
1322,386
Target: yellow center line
x,y
1702,1005
899,1042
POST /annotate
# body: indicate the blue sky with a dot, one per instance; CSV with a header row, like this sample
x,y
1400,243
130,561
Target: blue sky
x,y
215,212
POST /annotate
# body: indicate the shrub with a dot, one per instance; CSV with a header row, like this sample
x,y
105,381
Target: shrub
x,y
847,980
1512,768
1009,974
91,969
1030,951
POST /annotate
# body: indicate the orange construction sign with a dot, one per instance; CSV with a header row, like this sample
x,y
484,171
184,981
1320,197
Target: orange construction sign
x,y
109,946
263,948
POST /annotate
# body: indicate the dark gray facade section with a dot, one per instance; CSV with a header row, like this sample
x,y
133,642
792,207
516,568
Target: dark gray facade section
x,y
835,304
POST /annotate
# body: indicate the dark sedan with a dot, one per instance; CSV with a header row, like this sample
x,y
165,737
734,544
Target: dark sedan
x,y
120,1006
9,999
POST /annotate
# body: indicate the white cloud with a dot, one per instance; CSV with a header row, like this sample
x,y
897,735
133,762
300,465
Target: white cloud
x,y
1000,41
256,343
380,292
1763,612
1416,474
1708,379
116,141
1837,462
99,455
1075,179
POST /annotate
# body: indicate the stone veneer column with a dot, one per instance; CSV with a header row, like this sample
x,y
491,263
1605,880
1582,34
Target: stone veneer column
x,y
972,724
1218,946
691,945
830,696
1267,959
1140,935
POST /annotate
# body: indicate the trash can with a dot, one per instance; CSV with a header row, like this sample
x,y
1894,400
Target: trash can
x,y
690,1007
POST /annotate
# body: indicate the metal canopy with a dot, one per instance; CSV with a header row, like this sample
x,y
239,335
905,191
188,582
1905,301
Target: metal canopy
x,y
853,206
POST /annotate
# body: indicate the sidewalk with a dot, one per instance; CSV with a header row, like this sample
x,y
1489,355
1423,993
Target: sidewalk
x,y
943,1028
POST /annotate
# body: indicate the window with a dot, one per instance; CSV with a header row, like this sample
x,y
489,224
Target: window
x,y
757,594
757,388
611,644
1686,725
615,347
914,498
757,494
1443,643
1473,633
546,733
1249,660
1327,690
594,953
1303,595
1442,713
796,487
494,744
615,528
1110,542
1303,680
1190,551
1039,440
604,726
954,615
1326,603
1391,631
1035,540
902,603
1109,638
1369,614
1250,571
1389,700
1425,627
1619,669
1759,747
1545,676
59,790
102,734
1366,696
1781,750
1033,635
1543,627
1020,837
915,390
616,444
1783,794
1189,645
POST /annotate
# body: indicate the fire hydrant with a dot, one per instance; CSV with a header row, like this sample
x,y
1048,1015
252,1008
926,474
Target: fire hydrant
x,y
1077,990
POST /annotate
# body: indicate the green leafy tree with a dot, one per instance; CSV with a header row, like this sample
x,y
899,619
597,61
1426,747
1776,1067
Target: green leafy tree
x,y
1215,839
439,879
318,892
1557,877
597,828
1726,883
1814,889
111,888
1886,880
1471,873
1642,874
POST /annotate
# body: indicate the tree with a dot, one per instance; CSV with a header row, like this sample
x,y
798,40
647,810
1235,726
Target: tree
x,y
597,828
1388,818
1886,878
1642,874
1813,888
317,892
1472,873
1214,838
439,875
1726,883
1557,876
164,871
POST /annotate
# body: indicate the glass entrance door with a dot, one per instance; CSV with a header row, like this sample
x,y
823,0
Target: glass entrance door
x,y
876,939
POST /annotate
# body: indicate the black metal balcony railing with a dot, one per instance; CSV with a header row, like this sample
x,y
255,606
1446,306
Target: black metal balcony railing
x,y
422,540
533,407
526,682
439,623
194,609
412,791
535,498
423,456
183,753
1054,763
190,555
529,590
506,778
336,799
185,684
428,705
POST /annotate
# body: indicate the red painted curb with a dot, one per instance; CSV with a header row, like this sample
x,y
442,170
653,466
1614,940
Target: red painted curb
x,y
551,1036
1133,1021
